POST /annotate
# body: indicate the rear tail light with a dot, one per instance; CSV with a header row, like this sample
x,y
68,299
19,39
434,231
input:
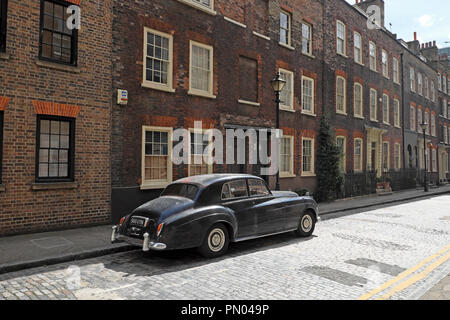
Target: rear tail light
x,y
124,219
158,231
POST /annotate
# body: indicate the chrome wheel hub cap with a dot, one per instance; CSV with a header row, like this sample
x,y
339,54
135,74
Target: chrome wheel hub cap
x,y
216,240
306,223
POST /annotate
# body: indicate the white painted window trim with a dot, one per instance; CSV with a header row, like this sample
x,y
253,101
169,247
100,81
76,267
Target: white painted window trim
x,y
339,22
370,56
385,74
289,42
288,174
312,172
196,92
344,112
200,7
397,120
203,131
154,85
396,76
361,161
387,122
360,47
261,36
388,155
373,117
156,184
310,40
356,115
344,151
284,106
398,165
235,22
313,107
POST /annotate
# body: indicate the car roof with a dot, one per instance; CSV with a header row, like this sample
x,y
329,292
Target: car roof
x,y
209,179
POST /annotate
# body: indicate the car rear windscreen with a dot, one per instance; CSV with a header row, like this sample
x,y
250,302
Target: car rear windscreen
x,y
181,190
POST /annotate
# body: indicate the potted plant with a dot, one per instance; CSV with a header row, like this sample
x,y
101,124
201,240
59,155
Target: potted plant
x,y
384,184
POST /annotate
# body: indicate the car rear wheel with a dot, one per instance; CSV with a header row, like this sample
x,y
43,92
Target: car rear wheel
x,y
216,241
307,225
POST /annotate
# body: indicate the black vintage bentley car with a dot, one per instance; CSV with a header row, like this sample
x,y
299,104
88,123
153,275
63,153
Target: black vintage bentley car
x,y
209,211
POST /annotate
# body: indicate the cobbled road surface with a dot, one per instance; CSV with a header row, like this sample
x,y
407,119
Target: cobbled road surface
x,y
392,252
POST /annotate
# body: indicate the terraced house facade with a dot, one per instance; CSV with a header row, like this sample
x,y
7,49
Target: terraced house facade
x,y
212,61
55,88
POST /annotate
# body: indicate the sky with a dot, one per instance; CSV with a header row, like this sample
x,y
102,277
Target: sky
x,y
429,18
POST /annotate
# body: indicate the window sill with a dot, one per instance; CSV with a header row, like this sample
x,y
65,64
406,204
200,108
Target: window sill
x,y
235,22
4,56
341,113
360,63
374,120
373,70
153,186
342,55
195,6
286,46
54,186
359,117
261,36
2,188
57,66
309,114
308,175
398,127
201,94
387,123
287,109
156,87
250,103
287,175
308,55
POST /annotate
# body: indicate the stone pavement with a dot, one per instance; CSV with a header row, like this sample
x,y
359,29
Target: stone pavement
x,y
346,258
33,250
441,291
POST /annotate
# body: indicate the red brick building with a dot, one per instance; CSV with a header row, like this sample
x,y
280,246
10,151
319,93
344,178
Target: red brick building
x,y
54,115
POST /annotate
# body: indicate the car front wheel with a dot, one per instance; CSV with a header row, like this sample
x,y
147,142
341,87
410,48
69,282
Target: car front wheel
x,y
216,241
306,226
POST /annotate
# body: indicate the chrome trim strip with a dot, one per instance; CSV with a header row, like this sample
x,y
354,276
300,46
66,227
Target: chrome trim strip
x,y
262,236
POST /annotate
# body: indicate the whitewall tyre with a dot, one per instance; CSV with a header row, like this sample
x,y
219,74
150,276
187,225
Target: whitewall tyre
x,y
307,225
215,242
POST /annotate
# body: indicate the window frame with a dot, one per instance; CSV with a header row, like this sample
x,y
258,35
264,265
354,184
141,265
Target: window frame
x,y
388,157
385,63
151,84
198,92
361,106
420,83
74,42
310,173
419,120
292,88
71,156
412,118
195,4
235,198
397,113
361,161
397,162
309,40
3,25
210,139
289,28
386,109
287,174
412,79
344,111
157,184
343,155
313,104
433,124
374,57
373,116
344,45
355,48
396,70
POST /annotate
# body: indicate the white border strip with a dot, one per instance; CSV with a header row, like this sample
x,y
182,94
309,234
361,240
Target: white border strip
x,y
261,35
235,22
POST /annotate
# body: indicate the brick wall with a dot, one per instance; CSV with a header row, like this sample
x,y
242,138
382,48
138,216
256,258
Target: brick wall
x,y
87,88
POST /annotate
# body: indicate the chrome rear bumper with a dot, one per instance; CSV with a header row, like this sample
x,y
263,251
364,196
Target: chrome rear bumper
x,y
145,244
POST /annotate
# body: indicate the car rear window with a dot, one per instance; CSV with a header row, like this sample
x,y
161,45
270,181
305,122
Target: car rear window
x,y
257,188
181,190
234,189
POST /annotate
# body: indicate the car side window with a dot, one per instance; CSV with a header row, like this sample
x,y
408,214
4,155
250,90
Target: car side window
x,y
234,189
258,188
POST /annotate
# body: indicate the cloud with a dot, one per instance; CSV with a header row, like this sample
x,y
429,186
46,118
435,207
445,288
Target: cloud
x,y
426,20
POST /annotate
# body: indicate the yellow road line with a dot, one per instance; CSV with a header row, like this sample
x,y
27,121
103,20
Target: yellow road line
x,y
416,278
403,275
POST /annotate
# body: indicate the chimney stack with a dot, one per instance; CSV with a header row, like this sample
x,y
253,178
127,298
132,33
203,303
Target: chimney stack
x,y
415,36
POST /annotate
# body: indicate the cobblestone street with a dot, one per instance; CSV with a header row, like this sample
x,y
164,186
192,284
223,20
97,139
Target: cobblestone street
x,y
402,249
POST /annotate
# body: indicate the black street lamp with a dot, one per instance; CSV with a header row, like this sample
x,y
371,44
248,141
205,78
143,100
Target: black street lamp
x,y
424,126
278,85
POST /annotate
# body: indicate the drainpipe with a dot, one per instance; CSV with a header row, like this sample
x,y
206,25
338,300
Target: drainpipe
x,y
403,111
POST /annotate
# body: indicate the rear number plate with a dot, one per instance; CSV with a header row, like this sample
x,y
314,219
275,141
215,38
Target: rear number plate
x,y
137,222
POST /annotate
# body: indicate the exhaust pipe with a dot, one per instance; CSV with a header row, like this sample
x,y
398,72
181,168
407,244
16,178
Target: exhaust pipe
x,y
145,246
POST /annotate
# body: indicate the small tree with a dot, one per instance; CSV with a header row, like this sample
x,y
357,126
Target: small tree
x,y
329,178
